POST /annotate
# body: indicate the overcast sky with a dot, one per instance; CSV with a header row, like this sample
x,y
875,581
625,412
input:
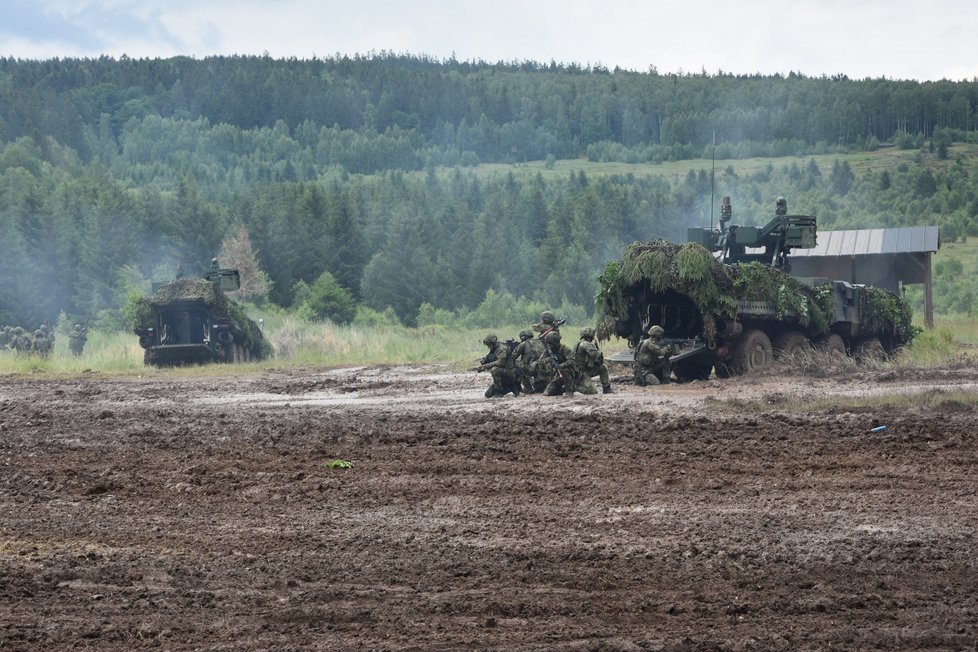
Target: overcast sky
x,y
898,39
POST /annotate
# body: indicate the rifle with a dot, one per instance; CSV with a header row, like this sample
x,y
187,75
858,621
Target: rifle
x,y
553,358
486,359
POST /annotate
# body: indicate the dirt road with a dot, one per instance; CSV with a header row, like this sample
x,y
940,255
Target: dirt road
x,y
164,513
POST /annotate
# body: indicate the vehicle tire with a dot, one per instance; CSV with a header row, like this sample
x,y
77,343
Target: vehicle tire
x,y
690,370
791,344
832,345
870,350
751,352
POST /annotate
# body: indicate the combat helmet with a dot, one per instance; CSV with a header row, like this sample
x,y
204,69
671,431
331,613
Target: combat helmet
x,y
525,334
490,340
587,333
548,317
552,339
656,331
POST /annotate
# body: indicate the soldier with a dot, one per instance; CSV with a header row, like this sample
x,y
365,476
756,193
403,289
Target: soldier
x,y
527,355
6,333
499,362
76,340
590,363
20,341
41,345
564,380
548,322
652,366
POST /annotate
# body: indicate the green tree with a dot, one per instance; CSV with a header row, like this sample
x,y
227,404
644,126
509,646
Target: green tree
x,y
327,299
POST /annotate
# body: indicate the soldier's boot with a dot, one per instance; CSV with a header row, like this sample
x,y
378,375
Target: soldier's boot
x,y
492,392
606,389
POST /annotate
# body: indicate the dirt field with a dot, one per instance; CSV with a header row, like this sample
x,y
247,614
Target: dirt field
x,y
181,514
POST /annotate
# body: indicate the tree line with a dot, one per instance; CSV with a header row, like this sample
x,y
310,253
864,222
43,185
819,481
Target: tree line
x,y
357,177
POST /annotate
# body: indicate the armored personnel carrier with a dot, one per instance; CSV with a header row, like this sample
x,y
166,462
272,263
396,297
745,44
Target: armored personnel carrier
x,y
192,321
727,301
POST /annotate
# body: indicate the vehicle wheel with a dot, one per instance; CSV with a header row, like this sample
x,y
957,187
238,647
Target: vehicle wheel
x,y
751,352
870,350
791,344
832,345
687,371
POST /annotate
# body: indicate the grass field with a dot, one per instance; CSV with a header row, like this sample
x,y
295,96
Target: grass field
x,y
307,344
886,158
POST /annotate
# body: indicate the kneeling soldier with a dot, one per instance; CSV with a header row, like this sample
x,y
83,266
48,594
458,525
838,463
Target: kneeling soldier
x,y
590,363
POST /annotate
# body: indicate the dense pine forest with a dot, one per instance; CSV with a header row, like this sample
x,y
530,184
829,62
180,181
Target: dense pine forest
x,y
409,185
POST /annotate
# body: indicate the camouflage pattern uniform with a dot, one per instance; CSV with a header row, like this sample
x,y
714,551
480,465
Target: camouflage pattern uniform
x,y
76,340
6,333
548,322
499,362
564,380
590,363
20,341
652,365
41,345
527,355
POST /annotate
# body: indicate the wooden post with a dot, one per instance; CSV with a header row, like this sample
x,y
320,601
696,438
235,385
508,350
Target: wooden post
x,y
928,297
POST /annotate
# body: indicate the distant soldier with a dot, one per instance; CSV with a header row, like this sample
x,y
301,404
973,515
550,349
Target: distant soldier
x,y
564,380
41,344
548,322
527,355
6,333
781,206
499,362
48,335
76,339
20,341
590,363
652,365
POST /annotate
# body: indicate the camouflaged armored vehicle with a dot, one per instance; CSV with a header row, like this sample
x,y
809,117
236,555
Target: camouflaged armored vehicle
x,y
192,321
727,301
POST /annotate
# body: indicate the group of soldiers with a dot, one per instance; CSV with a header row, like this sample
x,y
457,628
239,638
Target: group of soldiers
x,y
41,341
543,364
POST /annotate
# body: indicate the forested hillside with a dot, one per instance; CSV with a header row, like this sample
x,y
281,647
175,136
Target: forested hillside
x,y
402,182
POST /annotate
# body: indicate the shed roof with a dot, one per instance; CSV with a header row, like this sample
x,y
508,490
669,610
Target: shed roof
x,y
865,242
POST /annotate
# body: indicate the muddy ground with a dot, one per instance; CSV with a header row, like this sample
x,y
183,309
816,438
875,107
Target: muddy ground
x,y
181,513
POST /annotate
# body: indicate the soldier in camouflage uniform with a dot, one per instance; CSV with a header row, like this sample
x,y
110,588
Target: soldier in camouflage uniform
x,y
548,322
20,341
5,335
652,365
527,355
41,345
499,362
564,379
76,340
590,363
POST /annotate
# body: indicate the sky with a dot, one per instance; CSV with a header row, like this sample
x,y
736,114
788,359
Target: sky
x,y
896,39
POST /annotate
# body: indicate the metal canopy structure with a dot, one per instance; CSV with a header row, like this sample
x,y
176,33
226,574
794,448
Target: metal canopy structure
x,y
886,258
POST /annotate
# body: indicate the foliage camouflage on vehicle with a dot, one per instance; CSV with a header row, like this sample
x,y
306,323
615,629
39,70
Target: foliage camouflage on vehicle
x,y
204,291
715,289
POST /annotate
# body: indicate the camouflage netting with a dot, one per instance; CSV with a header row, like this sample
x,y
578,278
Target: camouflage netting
x,y
714,288
885,312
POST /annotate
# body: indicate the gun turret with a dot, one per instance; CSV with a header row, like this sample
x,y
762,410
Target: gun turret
x,y
769,244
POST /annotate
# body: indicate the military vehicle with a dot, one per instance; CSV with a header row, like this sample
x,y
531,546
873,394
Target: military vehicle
x,y
192,321
727,301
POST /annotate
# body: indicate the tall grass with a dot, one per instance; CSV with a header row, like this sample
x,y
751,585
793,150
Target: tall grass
x,y
301,342
297,343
